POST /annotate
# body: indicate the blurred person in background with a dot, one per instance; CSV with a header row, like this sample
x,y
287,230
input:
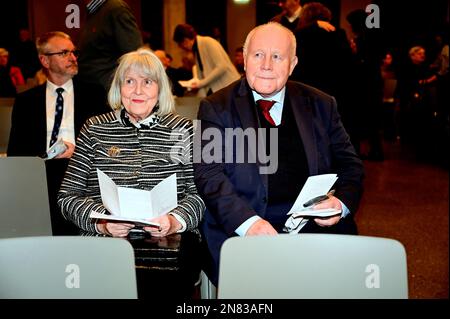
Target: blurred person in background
x,y
213,65
109,32
10,76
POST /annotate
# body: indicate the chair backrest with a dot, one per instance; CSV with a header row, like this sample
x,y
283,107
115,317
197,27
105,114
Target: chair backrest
x,y
67,267
187,106
389,90
24,208
312,266
6,106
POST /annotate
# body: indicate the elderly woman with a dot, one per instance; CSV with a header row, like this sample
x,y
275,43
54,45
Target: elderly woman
x,y
138,144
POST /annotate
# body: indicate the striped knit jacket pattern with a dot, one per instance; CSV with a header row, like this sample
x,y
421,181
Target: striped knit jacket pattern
x,y
133,157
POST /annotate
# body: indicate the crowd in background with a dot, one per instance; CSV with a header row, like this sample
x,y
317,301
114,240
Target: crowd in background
x,y
382,92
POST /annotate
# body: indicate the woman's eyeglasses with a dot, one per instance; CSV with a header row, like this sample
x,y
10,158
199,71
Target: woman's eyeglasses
x,y
64,53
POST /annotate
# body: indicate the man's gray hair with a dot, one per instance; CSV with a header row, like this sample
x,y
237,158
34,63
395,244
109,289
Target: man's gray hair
x,y
272,24
42,41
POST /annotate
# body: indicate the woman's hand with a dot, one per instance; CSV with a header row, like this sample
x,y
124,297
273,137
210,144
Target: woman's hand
x,y
169,225
114,229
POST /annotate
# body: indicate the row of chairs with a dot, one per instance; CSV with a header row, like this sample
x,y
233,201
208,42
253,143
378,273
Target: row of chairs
x,y
284,266
313,266
34,264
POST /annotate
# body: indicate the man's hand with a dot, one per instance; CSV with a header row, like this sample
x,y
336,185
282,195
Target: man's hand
x,y
68,152
332,202
261,227
325,25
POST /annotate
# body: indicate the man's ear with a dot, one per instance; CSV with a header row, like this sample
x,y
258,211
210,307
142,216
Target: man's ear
x,y
294,62
44,61
245,62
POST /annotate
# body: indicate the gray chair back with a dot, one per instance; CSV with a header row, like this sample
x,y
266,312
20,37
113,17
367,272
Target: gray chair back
x,y
6,106
309,266
24,208
67,267
187,106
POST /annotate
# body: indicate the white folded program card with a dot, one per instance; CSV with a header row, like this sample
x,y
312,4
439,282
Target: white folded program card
x,y
57,148
315,186
135,221
136,205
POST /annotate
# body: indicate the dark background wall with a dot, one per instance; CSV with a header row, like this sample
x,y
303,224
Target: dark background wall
x,y
153,22
200,14
44,15
13,15
403,23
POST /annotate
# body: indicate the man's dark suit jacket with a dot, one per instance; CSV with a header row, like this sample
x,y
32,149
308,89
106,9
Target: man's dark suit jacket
x,y
108,33
28,136
234,192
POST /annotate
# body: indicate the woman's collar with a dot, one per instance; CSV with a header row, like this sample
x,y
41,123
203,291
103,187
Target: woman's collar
x,y
148,122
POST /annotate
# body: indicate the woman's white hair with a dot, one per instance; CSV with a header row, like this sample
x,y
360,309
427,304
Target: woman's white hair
x,y
147,64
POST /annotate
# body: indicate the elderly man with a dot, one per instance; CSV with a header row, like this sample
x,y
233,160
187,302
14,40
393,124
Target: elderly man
x,y
242,198
49,116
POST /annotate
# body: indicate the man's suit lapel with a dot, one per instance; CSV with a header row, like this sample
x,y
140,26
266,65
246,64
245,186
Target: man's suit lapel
x,y
77,108
41,120
249,119
244,107
302,108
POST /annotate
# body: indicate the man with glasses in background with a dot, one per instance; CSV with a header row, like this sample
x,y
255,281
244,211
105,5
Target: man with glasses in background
x,y
46,119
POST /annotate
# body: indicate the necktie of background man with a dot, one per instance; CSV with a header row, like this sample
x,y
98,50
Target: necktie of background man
x,y
265,106
59,109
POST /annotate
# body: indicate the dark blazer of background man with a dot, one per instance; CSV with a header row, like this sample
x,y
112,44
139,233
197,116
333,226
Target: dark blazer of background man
x,y
29,131
311,141
109,32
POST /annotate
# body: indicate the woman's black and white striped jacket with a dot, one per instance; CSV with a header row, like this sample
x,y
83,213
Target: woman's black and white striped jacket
x,y
132,157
